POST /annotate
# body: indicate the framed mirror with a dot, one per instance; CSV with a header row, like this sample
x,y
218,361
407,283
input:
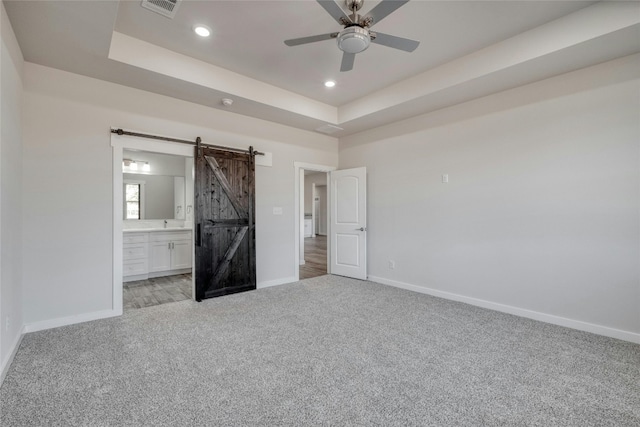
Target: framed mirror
x,y
154,186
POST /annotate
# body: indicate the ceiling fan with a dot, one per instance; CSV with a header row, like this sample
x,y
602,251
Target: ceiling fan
x,y
356,35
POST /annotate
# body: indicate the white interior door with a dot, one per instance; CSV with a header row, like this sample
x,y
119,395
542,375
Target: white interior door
x,y
349,223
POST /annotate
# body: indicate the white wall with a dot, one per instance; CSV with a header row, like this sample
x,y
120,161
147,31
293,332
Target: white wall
x,y
310,179
542,207
320,179
322,217
11,64
67,117
188,199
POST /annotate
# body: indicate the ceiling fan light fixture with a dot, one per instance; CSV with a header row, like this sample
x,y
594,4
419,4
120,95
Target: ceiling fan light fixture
x,y
353,39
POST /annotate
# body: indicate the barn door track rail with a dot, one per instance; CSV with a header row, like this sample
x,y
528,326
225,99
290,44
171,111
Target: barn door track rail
x,y
197,142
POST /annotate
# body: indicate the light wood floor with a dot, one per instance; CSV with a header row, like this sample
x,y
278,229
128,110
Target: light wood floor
x,y
160,290
315,257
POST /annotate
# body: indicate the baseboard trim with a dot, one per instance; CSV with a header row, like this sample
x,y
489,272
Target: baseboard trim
x,y
135,278
154,274
276,282
522,312
70,320
4,369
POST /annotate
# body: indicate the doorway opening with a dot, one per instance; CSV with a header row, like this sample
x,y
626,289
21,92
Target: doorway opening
x,y
153,213
157,226
312,220
313,262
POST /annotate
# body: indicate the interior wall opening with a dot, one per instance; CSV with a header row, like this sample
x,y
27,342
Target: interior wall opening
x,y
157,222
314,219
150,246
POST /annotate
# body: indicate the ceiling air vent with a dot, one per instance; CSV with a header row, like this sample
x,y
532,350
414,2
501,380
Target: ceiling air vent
x,y
328,129
166,8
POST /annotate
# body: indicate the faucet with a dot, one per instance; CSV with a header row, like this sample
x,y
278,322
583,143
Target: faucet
x,y
165,223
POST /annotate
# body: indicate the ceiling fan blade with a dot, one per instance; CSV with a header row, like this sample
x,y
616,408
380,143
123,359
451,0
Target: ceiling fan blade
x,y
384,9
407,45
347,61
335,11
310,39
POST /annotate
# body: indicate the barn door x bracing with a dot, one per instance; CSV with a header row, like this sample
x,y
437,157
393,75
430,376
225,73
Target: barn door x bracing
x,y
224,222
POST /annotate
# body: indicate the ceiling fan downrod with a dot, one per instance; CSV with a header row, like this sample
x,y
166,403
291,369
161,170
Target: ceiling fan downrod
x,y
354,6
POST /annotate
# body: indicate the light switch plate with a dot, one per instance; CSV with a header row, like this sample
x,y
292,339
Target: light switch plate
x,y
277,211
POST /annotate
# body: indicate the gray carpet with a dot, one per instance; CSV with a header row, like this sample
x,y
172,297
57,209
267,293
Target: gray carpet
x,y
324,351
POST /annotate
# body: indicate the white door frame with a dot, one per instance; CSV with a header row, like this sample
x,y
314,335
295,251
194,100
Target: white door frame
x,y
120,143
299,168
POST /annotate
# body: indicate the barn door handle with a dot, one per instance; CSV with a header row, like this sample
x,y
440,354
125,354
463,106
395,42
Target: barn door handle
x,y
198,235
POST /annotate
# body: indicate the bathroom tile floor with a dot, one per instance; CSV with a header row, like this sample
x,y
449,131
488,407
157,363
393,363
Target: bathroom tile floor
x,y
156,291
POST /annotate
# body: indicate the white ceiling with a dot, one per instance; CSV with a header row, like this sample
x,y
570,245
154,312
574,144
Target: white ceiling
x,y
468,49
249,39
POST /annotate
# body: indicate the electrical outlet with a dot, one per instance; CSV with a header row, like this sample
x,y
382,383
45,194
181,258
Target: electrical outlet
x,y
7,324
392,264
445,178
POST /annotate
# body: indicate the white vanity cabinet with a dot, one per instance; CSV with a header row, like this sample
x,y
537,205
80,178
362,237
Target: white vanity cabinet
x,y
181,254
156,253
135,255
169,251
160,256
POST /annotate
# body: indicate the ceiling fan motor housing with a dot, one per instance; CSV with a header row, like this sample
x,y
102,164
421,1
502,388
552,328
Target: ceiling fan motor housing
x,y
353,39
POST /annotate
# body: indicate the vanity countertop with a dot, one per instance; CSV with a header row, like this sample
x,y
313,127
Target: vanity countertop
x,y
146,230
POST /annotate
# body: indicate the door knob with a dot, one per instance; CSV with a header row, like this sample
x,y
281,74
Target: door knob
x,y
361,229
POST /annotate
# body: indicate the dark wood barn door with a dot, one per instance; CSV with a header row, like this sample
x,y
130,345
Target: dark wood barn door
x,y
224,220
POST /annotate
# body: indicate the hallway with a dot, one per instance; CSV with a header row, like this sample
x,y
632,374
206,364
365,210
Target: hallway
x,y
315,257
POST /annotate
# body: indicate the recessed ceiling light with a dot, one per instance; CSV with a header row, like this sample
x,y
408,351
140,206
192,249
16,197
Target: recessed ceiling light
x,y
329,83
202,30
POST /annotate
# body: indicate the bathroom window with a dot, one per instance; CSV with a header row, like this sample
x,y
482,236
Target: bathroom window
x,y
133,200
